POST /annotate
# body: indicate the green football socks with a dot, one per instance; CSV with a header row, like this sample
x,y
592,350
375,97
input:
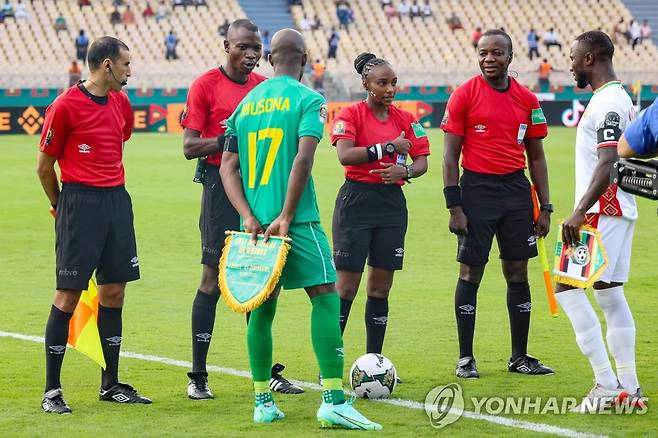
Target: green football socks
x,y
328,345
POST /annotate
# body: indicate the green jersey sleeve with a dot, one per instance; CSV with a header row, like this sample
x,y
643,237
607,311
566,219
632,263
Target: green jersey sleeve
x,y
230,123
314,115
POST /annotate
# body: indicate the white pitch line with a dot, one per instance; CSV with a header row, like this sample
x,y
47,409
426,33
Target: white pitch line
x,y
409,404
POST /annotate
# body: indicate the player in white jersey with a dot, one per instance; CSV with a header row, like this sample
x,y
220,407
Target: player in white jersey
x,y
610,210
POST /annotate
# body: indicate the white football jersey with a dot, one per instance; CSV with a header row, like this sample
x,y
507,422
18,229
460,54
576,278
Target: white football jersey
x,y
608,113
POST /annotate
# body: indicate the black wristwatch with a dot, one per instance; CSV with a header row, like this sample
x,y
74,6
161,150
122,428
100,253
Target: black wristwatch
x,y
389,148
546,207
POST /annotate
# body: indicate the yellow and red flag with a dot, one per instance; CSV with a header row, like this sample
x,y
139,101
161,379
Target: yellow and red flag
x,y
83,327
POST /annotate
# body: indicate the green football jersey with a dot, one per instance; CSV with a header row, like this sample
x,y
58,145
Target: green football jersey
x,y
268,124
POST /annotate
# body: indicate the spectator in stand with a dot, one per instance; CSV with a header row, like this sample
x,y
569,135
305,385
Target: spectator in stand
x,y
617,30
128,17
148,11
551,39
60,23
318,74
171,41
636,33
82,3
20,11
177,3
117,3
454,23
545,69
222,30
305,23
8,10
198,3
75,73
385,3
81,45
404,9
294,3
427,9
115,17
162,13
343,14
475,37
391,12
267,45
333,43
646,30
414,11
317,24
533,44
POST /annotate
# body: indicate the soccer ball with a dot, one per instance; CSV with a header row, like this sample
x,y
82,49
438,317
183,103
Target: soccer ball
x,y
373,376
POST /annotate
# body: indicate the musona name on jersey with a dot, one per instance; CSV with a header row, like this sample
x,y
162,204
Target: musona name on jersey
x,y
265,106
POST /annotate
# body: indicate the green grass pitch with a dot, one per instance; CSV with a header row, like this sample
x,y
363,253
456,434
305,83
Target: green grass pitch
x,y
421,339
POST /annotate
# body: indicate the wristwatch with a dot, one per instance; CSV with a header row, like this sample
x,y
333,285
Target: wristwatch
x,y
546,207
410,171
389,148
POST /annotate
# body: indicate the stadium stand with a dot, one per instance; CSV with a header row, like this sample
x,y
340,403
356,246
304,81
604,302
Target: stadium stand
x,y
424,51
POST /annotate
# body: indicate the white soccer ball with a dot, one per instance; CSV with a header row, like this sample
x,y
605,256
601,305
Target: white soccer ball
x,y
373,376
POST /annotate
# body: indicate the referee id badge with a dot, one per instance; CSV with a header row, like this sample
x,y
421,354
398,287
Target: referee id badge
x,y
521,134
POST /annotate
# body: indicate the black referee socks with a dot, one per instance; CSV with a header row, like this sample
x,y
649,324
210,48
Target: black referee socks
x,y
465,304
518,307
376,320
203,322
109,329
345,306
57,333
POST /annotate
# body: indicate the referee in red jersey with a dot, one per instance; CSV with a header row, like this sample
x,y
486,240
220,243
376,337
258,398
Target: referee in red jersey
x,y
85,131
373,138
211,99
493,123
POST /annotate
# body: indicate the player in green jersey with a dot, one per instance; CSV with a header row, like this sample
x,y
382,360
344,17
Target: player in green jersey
x,y
266,171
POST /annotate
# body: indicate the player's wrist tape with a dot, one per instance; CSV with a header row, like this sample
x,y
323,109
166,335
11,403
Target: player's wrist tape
x,y
453,195
375,152
220,143
231,144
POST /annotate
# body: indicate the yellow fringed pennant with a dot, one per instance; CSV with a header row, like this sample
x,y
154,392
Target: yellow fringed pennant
x,y
83,326
248,273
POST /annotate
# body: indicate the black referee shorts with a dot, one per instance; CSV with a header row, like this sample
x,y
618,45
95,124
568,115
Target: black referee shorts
x,y
217,216
500,205
94,230
370,221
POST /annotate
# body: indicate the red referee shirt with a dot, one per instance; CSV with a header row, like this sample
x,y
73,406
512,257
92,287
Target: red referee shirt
x,y
211,100
494,125
87,137
358,123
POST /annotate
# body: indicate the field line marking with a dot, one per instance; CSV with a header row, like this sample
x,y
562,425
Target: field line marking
x,y
410,404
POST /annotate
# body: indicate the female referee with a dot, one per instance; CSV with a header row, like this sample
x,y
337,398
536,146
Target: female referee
x,y
373,139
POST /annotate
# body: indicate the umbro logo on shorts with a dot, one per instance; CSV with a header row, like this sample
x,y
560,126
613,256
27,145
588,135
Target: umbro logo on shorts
x,y
203,337
380,320
525,307
57,349
532,240
66,273
399,252
114,341
134,261
467,309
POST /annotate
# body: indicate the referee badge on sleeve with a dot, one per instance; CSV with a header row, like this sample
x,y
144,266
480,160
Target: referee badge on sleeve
x,y
49,137
418,129
339,128
538,117
323,113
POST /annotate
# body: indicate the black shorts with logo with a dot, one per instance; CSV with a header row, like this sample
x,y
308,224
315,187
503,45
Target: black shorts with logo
x,y
500,205
370,220
94,230
217,216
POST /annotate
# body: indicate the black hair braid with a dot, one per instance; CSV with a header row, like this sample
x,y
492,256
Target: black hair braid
x,y
365,62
